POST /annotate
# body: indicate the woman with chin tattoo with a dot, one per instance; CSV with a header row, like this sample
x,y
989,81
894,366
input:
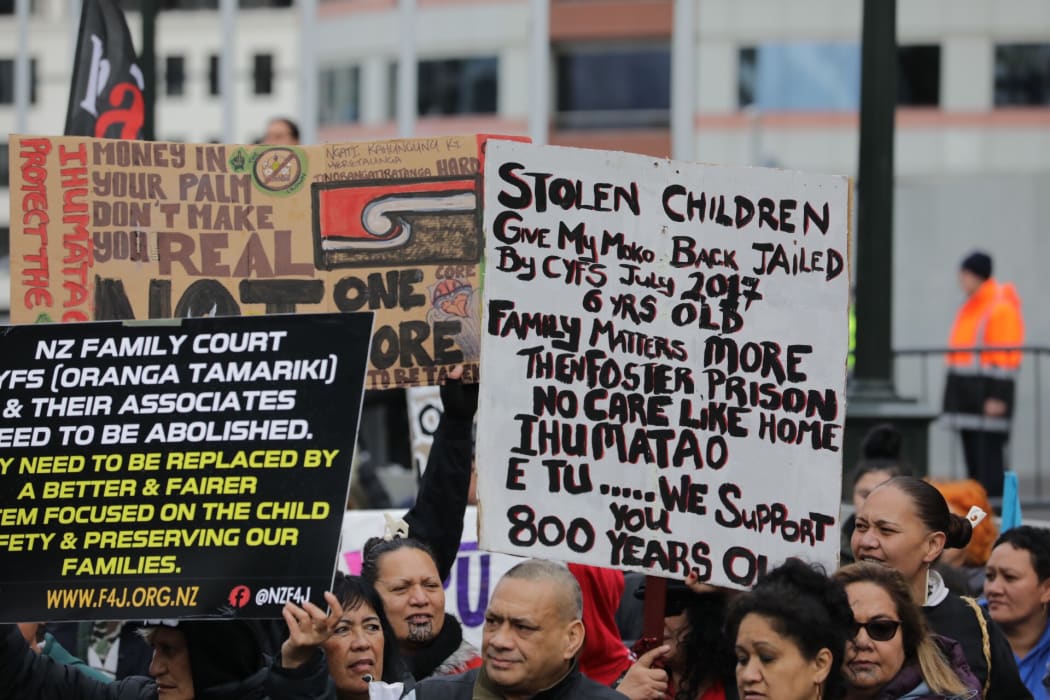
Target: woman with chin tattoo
x,y
408,571
905,524
891,654
404,573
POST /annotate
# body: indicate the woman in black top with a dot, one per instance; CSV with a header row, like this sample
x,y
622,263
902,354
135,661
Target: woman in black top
x,y
905,524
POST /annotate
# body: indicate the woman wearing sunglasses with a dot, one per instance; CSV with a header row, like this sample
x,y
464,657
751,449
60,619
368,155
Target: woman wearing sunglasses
x,y
905,524
892,653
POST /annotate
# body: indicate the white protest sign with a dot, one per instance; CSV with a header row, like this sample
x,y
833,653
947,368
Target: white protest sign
x,y
664,346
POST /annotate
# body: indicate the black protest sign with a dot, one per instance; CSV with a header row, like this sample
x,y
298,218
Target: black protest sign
x,y
669,345
194,468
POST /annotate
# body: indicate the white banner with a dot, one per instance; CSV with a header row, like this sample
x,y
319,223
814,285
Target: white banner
x,y
665,351
473,576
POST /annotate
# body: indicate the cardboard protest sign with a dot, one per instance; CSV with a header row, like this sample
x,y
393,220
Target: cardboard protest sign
x,y
670,345
114,230
194,468
469,586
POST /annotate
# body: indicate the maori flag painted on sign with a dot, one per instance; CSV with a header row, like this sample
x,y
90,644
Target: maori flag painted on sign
x,y
105,99
364,223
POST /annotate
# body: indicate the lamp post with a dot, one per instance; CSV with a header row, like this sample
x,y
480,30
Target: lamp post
x,y
872,397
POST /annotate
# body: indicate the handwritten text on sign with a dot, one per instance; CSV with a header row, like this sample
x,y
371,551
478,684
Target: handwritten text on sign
x,y
670,340
120,230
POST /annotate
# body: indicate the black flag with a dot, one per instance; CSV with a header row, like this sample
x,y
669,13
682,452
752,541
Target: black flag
x,y
105,99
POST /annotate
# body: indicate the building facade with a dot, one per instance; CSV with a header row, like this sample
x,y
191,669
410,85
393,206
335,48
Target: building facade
x,y
773,83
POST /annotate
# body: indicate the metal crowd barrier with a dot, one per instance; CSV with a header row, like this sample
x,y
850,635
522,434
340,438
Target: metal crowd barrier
x,y
920,373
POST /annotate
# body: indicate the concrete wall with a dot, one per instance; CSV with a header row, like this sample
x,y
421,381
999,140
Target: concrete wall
x,y
938,220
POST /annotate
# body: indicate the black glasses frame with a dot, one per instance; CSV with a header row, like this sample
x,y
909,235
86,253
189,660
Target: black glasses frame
x,y
878,630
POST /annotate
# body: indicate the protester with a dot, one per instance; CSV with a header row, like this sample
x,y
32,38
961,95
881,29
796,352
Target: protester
x,y
604,658
218,660
404,572
1017,588
532,635
892,653
358,643
281,132
880,461
407,570
905,524
113,647
44,643
963,569
979,389
790,635
699,661
694,662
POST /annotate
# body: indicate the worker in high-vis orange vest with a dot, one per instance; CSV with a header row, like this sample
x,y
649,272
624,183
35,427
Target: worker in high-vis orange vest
x,y
979,392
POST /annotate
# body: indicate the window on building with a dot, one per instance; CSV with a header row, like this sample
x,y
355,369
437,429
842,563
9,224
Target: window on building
x,y
819,76
339,95
457,86
174,76
606,86
391,95
7,81
1022,75
213,74
5,174
7,7
262,74
177,5
919,75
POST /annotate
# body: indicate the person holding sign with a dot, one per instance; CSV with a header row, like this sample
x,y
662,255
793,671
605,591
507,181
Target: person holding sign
x,y
892,653
905,524
407,567
533,633
699,662
217,660
357,640
405,574
790,635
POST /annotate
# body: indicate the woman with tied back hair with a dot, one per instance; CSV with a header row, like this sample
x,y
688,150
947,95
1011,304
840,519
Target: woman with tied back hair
x,y
1017,588
404,573
963,569
789,634
880,461
905,524
407,572
892,653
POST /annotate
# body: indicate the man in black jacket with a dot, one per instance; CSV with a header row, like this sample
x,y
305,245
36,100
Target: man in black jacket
x,y
532,635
